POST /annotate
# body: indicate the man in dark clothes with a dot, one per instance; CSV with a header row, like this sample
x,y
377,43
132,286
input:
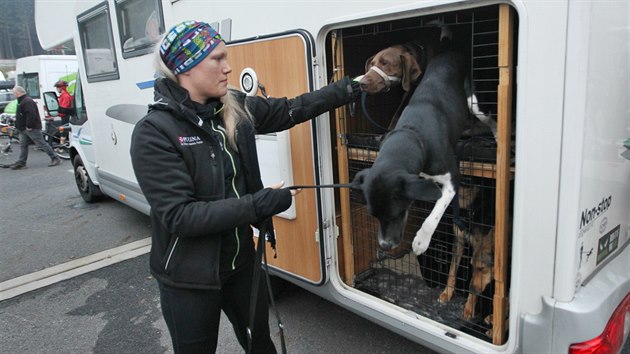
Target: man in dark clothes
x,y
29,125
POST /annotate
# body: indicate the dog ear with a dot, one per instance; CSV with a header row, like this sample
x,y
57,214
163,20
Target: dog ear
x,y
368,63
410,70
357,182
417,188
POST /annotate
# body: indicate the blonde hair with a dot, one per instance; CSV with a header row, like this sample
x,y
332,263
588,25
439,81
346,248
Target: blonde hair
x,y
233,112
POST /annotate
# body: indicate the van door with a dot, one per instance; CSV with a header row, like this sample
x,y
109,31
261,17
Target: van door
x,y
280,66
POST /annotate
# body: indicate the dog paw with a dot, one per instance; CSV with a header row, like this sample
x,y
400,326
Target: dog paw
x,y
419,246
421,242
468,313
445,296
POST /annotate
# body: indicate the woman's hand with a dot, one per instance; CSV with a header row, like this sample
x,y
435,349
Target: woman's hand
x,y
280,184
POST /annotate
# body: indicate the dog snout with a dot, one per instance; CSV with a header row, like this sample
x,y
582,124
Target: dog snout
x,y
372,84
364,86
364,83
386,245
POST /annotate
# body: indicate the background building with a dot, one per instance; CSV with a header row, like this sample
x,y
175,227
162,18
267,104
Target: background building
x,y
18,37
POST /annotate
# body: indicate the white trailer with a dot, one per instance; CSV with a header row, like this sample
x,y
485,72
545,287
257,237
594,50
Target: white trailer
x,y
38,73
556,74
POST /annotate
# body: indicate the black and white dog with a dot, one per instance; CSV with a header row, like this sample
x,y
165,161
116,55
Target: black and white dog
x,y
416,160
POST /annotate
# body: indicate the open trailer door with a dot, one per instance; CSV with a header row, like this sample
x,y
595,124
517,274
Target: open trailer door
x,y
280,66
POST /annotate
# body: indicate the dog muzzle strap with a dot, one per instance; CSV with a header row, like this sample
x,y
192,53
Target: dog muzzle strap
x,y
388,78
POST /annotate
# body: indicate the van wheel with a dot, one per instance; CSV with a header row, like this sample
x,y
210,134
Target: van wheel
x,y
89,191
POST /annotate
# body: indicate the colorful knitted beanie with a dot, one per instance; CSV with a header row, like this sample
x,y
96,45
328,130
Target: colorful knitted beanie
x,y
188,43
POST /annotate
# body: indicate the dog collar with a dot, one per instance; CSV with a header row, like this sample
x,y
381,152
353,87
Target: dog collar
x,y
388,78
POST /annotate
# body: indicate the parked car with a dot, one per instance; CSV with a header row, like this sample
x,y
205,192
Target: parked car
x,y
5,98
6,93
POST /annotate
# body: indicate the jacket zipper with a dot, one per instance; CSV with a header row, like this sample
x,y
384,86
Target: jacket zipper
x,y
170,254
238,242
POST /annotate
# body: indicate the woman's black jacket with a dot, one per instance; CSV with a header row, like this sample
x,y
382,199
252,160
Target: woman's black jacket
x,y
176,160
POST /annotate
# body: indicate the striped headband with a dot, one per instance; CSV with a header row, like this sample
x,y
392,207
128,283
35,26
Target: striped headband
x,y
187,44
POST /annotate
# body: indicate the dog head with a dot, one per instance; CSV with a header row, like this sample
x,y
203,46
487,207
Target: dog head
x,y
389,67
482,260
389,194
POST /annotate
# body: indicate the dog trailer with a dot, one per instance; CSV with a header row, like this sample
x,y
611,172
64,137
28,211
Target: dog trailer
x,y
549,272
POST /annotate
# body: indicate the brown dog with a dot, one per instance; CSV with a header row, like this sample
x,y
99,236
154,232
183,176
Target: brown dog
x,y
401,64
482,262
466,198
395,65
482,243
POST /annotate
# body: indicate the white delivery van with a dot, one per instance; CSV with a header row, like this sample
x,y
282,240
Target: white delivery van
x,y
38,74
554,76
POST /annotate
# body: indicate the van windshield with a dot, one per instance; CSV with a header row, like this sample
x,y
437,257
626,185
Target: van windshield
x,y
30,82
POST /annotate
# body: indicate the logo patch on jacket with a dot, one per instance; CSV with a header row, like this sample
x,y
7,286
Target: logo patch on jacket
x,y
189,140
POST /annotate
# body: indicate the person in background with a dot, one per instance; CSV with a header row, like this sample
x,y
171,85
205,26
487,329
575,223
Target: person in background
x,y
28,123
65,101
194,156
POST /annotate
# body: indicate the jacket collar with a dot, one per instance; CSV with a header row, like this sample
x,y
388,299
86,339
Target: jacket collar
x,y
171,97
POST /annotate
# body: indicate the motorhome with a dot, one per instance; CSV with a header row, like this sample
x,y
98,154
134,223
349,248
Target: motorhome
x,y
554,77
38,74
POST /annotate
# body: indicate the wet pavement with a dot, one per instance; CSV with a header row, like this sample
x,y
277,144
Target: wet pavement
x,y
112,306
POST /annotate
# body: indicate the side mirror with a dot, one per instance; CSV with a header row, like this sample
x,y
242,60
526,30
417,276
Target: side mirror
x,y
51,103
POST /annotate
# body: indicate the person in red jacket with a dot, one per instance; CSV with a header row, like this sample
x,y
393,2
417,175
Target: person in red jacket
x,y
65,101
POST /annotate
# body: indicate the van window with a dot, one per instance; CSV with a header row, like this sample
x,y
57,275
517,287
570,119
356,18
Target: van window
x,y
95,31
30,82
140,24
80,116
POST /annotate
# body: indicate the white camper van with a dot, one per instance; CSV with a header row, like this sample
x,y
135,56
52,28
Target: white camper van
x,y
554,76
38,73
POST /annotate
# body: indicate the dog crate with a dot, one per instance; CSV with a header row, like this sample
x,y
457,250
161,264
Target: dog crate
x,y
487,166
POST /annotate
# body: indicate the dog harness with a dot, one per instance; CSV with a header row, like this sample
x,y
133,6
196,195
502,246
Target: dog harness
x,y
389,80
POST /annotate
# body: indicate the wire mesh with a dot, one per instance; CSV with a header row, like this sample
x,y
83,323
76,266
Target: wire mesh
x,y
419,283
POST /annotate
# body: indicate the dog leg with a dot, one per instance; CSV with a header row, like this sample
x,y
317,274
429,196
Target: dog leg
x,y
473,103
447,294
469,307
423,236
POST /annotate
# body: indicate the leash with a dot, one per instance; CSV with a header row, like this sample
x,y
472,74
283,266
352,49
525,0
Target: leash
x,y
338,185
367,115
260,255
260,261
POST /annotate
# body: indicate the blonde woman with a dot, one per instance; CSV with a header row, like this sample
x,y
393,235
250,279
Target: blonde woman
x,y
194,156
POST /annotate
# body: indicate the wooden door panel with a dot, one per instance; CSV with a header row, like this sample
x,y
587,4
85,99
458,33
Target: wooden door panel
x,y
281,65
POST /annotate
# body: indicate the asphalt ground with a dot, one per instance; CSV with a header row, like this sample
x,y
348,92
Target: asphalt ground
x,y
45,222
101,297
116,310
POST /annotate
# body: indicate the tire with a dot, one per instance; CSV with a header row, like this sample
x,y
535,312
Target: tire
x,y
89,191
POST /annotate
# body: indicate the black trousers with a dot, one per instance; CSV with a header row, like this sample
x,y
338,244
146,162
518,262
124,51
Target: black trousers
x,y
193,316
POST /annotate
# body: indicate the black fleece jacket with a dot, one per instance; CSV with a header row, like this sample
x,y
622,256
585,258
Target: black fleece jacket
x,y
27,114
177,160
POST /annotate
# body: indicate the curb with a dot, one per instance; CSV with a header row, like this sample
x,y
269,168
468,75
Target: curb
x,y
64,271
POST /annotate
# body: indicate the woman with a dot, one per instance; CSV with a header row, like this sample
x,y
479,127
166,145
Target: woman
x,y
194,156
